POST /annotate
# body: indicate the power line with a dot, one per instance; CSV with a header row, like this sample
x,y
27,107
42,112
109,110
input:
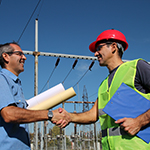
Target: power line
x,y
93,94
56,64
81,78
74,64
91,65
67,56
40,9
28,21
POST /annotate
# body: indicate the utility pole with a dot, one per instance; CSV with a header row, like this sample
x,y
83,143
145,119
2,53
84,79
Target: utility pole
x,y
75,131
36,82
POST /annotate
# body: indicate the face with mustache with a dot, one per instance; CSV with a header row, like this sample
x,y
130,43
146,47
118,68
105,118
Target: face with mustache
x,y
15,60
104,53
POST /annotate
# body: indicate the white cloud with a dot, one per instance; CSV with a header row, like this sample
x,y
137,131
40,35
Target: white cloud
x,y
82,67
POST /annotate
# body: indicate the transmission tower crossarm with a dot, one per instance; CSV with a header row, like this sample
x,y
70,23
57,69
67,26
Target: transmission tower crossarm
x,y
60,55
63,55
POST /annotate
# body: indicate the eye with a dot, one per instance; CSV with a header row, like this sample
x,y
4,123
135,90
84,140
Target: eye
x,y
99,47
20,53
17,53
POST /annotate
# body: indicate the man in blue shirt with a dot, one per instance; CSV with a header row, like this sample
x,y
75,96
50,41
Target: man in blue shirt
x,y
14,133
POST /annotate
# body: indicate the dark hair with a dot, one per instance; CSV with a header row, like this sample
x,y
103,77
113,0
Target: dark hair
x,y
4,48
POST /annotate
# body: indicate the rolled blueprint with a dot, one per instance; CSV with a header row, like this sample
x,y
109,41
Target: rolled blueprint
x,y
45,95
55,100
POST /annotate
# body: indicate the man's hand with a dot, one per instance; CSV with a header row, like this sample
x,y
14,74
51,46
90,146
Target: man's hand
x,y
61,117
131,125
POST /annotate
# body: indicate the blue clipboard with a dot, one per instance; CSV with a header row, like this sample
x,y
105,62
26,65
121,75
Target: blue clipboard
x,y
128,103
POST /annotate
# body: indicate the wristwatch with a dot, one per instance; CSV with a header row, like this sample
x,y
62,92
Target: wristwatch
x,y
50,114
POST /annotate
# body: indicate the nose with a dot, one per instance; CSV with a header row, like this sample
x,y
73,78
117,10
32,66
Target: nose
x,y
24,57
96,53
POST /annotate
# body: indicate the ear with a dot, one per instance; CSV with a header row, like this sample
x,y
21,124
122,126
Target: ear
x,y
5,57
114,47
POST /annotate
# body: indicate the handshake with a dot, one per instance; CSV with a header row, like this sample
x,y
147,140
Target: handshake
x,y
61,117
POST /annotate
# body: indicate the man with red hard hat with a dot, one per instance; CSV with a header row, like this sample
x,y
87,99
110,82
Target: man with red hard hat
x,y
109,48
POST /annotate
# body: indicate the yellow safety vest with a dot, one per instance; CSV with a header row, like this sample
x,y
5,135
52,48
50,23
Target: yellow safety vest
x,y
113,137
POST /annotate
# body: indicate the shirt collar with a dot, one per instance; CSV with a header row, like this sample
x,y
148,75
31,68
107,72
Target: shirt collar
x,y
10,74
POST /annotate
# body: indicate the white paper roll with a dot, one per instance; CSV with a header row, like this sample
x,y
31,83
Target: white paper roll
x,y
55,100
45,95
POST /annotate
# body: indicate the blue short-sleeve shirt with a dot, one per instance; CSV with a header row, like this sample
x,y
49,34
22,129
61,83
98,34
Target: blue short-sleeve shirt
x,y
12,136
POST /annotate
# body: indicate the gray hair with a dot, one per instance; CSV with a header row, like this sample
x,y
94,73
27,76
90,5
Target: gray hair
x,y
120,47
4,48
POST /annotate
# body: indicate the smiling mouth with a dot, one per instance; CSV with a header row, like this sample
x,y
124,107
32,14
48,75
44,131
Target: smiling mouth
x,y
99,56
22,62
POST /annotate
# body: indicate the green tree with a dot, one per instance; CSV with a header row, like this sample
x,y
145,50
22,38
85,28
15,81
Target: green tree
x,y
68,142
56,137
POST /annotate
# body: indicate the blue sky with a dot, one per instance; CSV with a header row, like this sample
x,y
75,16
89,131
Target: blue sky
x,y
68,27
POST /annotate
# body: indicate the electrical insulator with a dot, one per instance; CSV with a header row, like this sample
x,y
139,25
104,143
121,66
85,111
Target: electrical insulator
x,y
74,64
57,62
91,65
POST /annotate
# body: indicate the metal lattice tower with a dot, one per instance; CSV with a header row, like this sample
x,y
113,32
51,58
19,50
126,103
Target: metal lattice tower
x,y
85,99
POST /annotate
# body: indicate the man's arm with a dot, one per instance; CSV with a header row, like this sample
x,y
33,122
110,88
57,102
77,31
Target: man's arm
x,y
133,125
87,117
13,114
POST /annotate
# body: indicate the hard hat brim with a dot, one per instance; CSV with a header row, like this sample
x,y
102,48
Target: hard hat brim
x,y
92,47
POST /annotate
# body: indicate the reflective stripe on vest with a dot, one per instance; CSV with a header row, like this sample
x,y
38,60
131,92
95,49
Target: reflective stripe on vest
x,y
101,112
116,131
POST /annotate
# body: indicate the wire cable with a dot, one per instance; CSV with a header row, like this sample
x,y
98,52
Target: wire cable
x,y
28,21
92,94
56,64
40,9
81,78
74,64
91,65
67,76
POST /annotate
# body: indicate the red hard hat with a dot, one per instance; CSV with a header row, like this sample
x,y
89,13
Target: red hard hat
x,y
109,34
